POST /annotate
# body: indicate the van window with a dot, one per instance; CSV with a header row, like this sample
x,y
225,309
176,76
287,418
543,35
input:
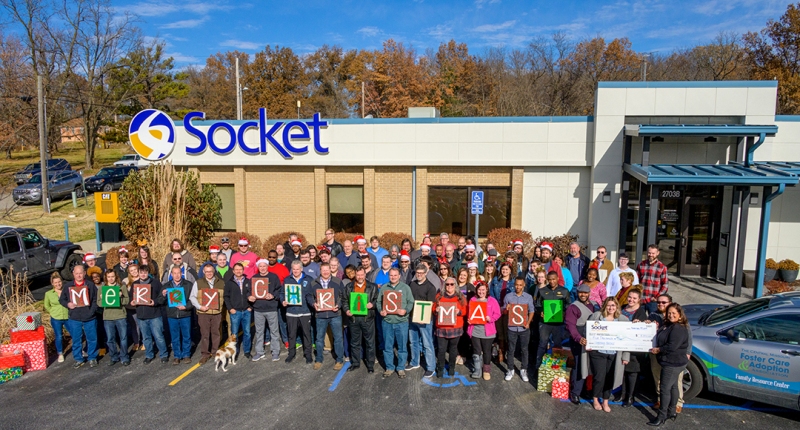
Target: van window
x,y
774,328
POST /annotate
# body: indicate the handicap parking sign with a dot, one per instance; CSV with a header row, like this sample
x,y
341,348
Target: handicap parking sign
x,y
477,203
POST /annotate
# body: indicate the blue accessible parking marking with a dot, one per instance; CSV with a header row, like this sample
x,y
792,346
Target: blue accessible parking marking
x,y
458,380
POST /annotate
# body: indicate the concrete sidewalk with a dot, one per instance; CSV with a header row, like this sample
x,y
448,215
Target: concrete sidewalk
x,y
699,290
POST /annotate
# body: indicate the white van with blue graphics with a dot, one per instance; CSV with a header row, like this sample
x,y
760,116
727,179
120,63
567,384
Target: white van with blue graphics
x,y
750,350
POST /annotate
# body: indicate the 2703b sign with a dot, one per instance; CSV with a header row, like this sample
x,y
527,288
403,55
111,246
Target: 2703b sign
x,y
293,140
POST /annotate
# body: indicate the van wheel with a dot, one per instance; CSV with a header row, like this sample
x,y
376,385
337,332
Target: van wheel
x,y
692,381
72,261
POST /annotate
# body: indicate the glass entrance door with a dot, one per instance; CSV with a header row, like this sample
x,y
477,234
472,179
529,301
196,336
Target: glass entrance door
x,y
700,231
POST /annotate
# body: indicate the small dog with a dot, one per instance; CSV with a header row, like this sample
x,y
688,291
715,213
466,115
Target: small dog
x,y
224,356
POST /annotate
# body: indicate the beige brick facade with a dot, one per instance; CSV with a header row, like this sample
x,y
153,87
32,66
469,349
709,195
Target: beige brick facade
x,y
275,199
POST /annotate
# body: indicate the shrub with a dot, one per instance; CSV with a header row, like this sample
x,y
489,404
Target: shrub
x,y
160,203
112,255
282,237
502,237
255,242
771,264
561,243
788,265
391,238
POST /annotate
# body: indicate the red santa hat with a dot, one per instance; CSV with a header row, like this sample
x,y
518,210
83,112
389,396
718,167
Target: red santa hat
x,y
472,264
423,246
517,242
244,242
296,243
360,239
213,248
404,255
88,256
121,250
547,245
428,235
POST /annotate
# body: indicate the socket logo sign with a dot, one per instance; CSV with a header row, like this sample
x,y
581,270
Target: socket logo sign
x,y
222,138
152,134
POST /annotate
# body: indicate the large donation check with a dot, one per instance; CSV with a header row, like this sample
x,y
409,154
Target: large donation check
x,y
619,336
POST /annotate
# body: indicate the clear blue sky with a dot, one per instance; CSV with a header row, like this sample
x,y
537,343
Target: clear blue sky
x,y
193,30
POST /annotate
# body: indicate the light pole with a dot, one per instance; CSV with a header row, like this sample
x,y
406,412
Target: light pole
x,y
298,109
238,93
43,144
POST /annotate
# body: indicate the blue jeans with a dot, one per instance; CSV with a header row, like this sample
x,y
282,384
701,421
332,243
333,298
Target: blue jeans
x,y
391,333
153,329
58,329
242,318
338,343
421,338
180,330
116,328
651,307
379,333
76,330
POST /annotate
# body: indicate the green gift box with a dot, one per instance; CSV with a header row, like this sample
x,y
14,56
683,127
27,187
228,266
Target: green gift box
x,y
10,374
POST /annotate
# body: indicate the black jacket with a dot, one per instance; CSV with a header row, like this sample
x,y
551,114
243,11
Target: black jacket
x,y
372,297
673,342
83,313
338,293
144,312
228,274
236,298
174,312
547,293
336,248
274,288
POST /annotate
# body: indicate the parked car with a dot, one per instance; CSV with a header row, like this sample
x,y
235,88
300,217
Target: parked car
x,y
750,350
128,160
109,178
61,184
33,169
25,251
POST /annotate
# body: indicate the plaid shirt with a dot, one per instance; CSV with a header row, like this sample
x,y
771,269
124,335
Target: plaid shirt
x,y
653,278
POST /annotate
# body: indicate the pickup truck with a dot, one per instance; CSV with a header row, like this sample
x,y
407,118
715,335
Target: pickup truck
x,y
25,251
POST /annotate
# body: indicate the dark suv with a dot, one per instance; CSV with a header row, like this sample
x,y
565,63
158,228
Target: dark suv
x,y
33,169
25,251
108,178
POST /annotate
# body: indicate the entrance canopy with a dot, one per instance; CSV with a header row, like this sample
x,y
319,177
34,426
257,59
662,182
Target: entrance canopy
x,y
700,130
759,175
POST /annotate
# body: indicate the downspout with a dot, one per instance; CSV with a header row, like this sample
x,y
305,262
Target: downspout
x,y
748,161
414,202
763,236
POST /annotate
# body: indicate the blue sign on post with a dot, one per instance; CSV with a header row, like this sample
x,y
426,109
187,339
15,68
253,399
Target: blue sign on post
x,y
477,203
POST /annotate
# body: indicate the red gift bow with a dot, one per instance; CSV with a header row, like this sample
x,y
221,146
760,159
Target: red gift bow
x,y
29,319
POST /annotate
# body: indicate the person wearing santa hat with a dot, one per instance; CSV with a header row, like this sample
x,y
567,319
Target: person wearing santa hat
x,y
361,249
469,257
213,251
265,312
426,241
291,250
246,258
90,260
427,255
177,246
404,264
522,260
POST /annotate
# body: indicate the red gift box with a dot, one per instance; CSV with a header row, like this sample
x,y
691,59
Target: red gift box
x,y
35,353
21,336
11,359
560,388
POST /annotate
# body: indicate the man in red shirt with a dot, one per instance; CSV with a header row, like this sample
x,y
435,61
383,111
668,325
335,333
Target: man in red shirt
x,y
653,277
274,267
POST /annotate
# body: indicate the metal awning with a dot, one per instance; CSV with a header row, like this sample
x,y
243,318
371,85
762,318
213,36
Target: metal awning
x,y
712,174
700,130
792,167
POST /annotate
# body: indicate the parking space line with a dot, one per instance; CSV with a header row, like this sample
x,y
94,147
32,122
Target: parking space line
x,y
185,374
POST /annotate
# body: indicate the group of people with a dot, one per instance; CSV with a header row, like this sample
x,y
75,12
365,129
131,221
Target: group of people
x,y
278,295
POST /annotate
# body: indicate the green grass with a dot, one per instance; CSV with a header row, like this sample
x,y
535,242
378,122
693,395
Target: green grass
x,y
73,152
80,219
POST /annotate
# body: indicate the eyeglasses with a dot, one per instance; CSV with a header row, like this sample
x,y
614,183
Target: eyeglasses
x,y
176,259
449,283
662,303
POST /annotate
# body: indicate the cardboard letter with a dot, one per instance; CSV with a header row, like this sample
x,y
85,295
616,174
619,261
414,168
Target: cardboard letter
x,y
553,311
477,312
175,297
209,297
110,296
325,299
422,312
517,314
391,301
260,287
358,304
447,314
141,294
294,296
79,296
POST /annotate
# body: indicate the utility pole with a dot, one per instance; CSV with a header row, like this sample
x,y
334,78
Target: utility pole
x,y
43,145
644,67
238,93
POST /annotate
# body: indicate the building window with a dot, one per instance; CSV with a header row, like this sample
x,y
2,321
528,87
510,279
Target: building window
x,y
346,208
227,194
449,210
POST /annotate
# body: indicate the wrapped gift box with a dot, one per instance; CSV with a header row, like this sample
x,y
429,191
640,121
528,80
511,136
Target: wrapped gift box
x,y
10,374
20,336
547,375
29,320
35,353
560,388
12,359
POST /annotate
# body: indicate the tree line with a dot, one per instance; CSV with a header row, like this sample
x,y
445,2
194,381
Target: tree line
x,y
99,69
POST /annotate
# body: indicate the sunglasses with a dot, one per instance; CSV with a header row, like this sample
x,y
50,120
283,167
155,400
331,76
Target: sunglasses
x,y
449,283
176,259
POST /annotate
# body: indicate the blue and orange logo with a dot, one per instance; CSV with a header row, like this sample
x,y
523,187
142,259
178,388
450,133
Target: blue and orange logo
x,y
152,134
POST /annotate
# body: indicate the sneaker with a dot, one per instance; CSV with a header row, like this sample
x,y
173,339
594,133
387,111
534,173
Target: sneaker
x,y
92,363
60,358
401,374
429,374
509,375
258,357
387,373
266,343
112,362
78,364
165,360
409,367
247,355
126,363
347,359
276,358
147,360
186,360
524,375
300,345
317,366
